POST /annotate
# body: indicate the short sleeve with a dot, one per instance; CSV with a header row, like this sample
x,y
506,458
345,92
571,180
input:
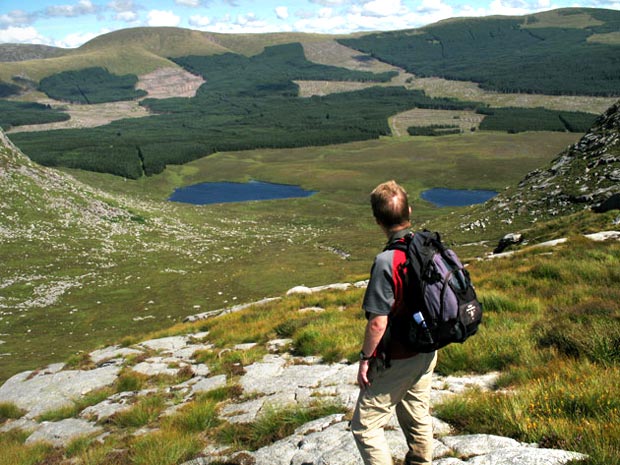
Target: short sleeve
x,y
379,296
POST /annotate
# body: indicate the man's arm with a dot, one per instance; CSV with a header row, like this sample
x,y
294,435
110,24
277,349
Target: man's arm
x,y
375,328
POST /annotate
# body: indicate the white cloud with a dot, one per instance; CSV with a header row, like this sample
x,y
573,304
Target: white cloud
x,y
16,18
25,35
323,24
247,23
282,12
78,38
325,13
126,16
503,7
190,3
199,21
304,14
330,2
82,7
122,5
247,19
163,18
382,7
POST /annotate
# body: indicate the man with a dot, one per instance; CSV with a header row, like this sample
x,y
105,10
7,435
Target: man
x,y
404,384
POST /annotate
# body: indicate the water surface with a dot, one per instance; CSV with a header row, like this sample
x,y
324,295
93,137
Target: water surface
x,y
443,197
224,192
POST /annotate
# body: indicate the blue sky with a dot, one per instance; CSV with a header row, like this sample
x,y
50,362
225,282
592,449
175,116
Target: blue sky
x,y
70,23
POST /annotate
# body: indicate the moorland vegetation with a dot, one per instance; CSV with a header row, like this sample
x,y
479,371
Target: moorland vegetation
x,y
524,54
251,100
93,258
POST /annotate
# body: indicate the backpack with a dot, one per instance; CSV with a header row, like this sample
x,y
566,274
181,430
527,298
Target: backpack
x,y
438,290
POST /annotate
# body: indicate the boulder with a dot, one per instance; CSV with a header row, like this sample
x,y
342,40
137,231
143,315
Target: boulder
x,y
299,290
40,392
507,241
60,433
612,203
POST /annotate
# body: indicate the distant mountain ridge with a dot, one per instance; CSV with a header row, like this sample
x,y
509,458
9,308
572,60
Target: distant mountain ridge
x,y
24,52
562,52
144,49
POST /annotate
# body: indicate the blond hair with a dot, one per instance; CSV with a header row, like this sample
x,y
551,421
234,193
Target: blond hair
x,y
390,205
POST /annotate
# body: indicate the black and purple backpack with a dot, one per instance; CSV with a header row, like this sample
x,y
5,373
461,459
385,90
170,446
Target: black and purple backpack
x,y
439,293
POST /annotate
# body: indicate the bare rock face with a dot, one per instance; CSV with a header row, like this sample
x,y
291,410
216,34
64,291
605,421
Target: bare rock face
x,y
278,379
39,392
584,176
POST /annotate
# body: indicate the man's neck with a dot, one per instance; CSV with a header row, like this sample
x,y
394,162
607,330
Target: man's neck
x,y
390,233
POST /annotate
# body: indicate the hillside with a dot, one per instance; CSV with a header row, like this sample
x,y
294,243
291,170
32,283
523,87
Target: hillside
x,y
567,51
25,52
580,178
299,90
137,51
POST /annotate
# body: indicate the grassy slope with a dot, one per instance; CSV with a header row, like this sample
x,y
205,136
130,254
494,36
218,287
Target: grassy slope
x,y
160,260
141,50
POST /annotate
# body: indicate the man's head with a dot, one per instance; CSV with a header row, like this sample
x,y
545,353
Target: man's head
x,y
390,205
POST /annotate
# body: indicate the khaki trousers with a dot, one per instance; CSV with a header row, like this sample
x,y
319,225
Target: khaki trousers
x,y
406,387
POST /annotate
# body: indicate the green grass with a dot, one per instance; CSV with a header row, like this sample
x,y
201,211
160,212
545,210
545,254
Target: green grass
x,y
191,259
15,452
79,404
556,343
195,417
145,411
8,410
274,424
164,448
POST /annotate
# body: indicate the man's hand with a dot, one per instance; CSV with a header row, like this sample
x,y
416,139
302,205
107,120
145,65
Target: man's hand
x,y
362,374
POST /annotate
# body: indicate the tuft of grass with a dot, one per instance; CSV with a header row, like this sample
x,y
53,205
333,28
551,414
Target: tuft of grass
x,y
166,447
130,380
227,361
15,452
79,361
142,413
274,424
79,445
569,406
60,413
597,340
10,411
232,391
195,417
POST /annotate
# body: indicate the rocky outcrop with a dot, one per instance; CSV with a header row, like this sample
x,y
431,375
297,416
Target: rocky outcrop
x,y
278,379
584,176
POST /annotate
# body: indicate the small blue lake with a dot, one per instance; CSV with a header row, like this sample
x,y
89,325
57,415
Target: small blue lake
x,y
456,197
224,192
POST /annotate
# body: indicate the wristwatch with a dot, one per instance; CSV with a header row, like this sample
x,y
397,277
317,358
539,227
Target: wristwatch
x,y
363,356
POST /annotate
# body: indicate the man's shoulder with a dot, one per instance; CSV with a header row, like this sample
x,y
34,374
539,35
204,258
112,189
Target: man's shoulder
x,y
384,258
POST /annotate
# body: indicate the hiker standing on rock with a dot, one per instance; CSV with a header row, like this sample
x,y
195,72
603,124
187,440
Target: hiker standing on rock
x,y
404,383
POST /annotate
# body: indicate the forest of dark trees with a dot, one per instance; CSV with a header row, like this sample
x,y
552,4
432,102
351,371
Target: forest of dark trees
x,y
515,120
14,113
90,85
246,103
503,55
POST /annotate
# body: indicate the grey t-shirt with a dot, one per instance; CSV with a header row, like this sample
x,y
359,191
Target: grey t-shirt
x,y
379,296
385,279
